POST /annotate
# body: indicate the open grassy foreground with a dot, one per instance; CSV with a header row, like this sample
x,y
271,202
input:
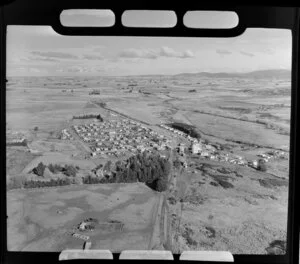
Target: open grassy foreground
x,y
44,219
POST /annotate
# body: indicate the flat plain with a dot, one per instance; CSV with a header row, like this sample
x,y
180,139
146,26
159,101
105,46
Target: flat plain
x,y
244,116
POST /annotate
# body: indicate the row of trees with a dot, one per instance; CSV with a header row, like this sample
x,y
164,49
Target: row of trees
x,y
52,182
93,180
143,167
68,170
89,116
188,129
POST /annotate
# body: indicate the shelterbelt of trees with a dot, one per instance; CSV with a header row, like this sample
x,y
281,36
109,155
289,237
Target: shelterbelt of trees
x,y
151,169
188,129
89,116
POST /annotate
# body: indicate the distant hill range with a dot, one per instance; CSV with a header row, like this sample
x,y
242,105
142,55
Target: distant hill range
x,y
279,74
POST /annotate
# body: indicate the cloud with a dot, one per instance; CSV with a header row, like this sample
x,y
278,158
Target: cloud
x,y
78,69
43,59
138,53
92,57
27,59
168,52
223,52
188,54
154,54
133,61
247,54
54,54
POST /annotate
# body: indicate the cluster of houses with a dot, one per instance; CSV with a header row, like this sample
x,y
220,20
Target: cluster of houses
x,y
87,225
272,155
80,236
17,142
236,159
14,138
65,135
118,136
210,152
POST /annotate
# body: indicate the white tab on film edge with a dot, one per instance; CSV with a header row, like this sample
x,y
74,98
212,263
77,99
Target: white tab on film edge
x,y
225,256
85,254
146,254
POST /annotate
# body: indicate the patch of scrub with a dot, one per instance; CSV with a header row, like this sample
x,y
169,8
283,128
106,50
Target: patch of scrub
x,y
253,238
271,183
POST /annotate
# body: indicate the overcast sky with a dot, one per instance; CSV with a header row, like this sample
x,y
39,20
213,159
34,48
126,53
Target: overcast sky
x,y
40,51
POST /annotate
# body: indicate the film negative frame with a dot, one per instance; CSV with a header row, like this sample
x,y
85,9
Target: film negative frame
x,y
35,12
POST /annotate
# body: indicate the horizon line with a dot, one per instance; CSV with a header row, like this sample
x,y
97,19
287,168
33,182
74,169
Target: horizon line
x,y
154,74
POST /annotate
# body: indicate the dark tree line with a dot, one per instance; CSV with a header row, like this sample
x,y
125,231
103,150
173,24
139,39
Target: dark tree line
x,y
188,129
93,180
144,167
89,116
149,168
67,170
52,182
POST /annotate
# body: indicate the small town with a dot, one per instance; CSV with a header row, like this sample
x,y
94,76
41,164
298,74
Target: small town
x,y
115,137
